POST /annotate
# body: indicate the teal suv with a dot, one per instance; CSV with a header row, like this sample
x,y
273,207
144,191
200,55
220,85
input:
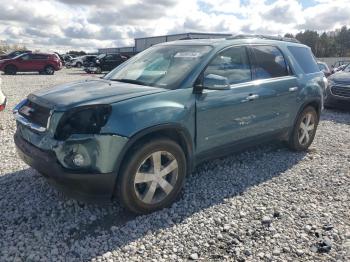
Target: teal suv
x,y
136,133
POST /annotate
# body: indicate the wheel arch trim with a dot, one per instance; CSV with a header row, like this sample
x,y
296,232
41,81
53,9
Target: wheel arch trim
x,y
179,130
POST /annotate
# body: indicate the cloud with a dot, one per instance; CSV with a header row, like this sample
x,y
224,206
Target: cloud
x,y
90,24
284,12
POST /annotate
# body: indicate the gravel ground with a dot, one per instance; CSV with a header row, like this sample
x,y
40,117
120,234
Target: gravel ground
x,y
266,204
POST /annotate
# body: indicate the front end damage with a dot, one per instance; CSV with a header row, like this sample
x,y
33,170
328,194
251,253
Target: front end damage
x,y
82,165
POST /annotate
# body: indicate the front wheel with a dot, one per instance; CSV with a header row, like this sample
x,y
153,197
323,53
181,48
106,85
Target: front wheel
x,y
304,130
152,176
10,70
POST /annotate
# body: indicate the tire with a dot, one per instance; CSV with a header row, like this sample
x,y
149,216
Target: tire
x,y
49,70
10,70
304,130
135,186
98,70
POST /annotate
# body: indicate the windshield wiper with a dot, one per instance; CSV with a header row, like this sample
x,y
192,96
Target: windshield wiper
x,y
130,81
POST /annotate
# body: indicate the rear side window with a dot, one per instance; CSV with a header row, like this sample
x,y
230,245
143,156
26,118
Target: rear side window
x,y
38,57
305,59
232,63
268,62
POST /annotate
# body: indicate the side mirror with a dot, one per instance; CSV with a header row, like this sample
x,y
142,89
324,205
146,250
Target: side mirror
x,y
216,82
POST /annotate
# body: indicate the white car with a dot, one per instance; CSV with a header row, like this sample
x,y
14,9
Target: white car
x,y
76,62
2,99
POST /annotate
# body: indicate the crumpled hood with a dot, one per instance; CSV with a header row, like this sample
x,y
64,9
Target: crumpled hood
x,y
341,77
89,92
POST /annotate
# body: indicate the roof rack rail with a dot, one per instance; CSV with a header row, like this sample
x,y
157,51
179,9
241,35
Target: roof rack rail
x,y
269,37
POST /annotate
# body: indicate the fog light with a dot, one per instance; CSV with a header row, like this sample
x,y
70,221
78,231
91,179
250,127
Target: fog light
x,y
78,160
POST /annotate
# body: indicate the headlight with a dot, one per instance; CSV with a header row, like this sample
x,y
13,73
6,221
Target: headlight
x,y
83,120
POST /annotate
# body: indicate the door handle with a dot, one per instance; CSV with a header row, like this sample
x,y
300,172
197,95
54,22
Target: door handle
x,y
293,89
252,97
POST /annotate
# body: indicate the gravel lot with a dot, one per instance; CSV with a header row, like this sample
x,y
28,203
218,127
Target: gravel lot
x,y
265,204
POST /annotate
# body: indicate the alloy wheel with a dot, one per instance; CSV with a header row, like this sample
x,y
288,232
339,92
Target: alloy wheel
x,y
49,70
306,129
156,177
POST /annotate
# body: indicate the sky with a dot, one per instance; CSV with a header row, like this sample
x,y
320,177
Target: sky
x,y
62,25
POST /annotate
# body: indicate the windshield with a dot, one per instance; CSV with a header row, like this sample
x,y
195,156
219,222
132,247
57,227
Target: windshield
x,y
101,56
160,66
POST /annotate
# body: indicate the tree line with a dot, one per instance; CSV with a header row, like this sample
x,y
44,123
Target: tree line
x,y
4,47
326,45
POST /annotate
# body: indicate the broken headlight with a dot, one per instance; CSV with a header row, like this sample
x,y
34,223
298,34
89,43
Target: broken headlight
x,y
83,120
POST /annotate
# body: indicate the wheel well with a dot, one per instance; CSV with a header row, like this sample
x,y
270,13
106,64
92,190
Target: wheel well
x,y
174,134
316,105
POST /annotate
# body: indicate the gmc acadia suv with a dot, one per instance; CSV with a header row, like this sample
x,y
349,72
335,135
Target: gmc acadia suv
x,y
136,133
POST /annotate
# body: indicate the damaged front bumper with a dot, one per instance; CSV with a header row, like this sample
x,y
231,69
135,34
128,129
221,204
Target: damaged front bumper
x,y
92,180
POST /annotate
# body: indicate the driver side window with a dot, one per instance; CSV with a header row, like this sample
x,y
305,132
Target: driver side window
x,y
233,64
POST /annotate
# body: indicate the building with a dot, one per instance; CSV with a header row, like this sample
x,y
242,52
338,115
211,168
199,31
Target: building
x,y
146,42
117,50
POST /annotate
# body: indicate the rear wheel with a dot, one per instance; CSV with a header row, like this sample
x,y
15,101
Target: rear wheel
x,y
152,176
304,130
49,70
10,70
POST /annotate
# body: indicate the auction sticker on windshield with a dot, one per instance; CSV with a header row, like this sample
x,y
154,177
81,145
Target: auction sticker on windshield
x,y
187,54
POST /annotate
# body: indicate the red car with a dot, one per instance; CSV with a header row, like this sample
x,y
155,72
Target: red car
x,y
31,62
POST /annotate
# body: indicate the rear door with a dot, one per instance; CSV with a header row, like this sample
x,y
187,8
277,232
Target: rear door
x,y
236,114
39,61
277,85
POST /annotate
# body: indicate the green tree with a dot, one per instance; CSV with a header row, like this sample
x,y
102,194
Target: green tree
x,y
311,39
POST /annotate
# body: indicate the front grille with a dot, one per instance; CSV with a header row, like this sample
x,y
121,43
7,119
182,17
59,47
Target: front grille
x,y
341,91
35,113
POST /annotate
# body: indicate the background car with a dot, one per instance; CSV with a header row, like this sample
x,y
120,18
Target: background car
x,y
31,62
2,98
339,68
105,62
14,54
324,68
80,60
338,90
89,59
340,63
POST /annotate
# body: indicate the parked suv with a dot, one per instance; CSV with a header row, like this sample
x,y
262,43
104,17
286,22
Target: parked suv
x,y
136,133
105,62
31,62
338,91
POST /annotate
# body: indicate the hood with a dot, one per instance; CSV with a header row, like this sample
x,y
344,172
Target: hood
x,y
341,77
89,92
